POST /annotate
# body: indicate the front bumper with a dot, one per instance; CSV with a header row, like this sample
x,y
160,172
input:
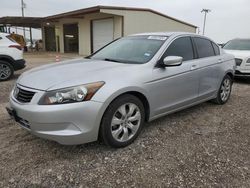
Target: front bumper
x,y
67,124
19,64
242,74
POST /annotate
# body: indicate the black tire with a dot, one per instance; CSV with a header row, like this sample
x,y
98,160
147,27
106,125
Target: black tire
x,y
105,132
219,99
6,70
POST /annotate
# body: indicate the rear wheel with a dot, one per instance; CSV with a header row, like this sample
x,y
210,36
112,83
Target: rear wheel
x,y
6,71
224,92
122,121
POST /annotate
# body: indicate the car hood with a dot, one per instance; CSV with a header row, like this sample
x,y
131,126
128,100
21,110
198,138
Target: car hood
x,y
239,53
70,73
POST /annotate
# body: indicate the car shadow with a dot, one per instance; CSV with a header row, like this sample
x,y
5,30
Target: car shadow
x,y
242,80
15,76
167,121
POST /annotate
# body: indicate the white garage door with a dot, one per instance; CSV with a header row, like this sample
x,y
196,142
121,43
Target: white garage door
x,y
102,33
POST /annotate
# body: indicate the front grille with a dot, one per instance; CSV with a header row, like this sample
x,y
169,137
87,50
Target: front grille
x,y
238,61
23,96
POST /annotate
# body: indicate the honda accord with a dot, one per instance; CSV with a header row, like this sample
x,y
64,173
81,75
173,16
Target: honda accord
x,y
110,94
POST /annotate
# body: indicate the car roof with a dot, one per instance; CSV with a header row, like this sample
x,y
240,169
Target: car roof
x,y
166,34
4,34
241,39
173,34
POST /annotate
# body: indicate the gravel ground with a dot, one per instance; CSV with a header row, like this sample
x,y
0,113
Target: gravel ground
x,y
203,146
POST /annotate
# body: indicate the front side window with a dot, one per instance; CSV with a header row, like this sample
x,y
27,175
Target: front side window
x,y
204,47
181,47
132,50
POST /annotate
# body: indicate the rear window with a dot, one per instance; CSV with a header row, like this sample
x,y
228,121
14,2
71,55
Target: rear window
x,y
11,39
204,47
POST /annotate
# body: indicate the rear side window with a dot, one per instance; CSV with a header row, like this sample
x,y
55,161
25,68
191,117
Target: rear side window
x,y
216,49
11,39
180,47
204,47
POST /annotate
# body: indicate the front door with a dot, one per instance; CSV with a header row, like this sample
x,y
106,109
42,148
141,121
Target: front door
x,y
50,38
71,38
177,86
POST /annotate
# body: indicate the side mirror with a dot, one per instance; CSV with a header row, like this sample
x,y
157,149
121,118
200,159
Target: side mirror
x,y
222,45
172,61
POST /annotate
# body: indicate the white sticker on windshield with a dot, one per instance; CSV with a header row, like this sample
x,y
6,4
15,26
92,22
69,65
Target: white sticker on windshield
x,y
157,38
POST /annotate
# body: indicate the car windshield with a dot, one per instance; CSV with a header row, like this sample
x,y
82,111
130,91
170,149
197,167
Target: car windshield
x,y
131,50
238,44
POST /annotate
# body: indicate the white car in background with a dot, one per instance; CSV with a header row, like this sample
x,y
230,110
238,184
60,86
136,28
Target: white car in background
x,y
11,57
240,48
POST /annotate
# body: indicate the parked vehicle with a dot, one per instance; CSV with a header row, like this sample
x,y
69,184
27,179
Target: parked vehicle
x,y
11,57
111,93
240,48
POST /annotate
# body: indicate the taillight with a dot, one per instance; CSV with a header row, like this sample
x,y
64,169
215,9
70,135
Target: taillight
x,y
16,46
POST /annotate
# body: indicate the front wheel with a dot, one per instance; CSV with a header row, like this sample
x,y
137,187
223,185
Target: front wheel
x,y
224,92
122,121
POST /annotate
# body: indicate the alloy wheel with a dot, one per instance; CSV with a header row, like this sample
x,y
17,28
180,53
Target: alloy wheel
x,y
225,89
125,122
5,71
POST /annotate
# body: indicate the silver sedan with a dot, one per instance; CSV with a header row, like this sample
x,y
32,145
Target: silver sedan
x,y
110,94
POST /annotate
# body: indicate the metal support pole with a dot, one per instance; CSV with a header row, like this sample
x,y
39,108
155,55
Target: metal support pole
x,y
205,19
22,7
31,40
204,24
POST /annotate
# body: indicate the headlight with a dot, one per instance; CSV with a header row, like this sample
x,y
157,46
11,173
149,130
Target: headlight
x,y
248,61
71,95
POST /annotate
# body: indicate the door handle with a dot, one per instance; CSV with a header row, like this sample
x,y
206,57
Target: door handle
x,y
193,67
220,60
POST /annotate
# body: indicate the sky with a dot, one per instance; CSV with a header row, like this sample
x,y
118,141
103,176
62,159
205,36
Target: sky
x,y
228,18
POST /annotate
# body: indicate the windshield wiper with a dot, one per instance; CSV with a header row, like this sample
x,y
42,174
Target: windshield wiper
x,y
114,60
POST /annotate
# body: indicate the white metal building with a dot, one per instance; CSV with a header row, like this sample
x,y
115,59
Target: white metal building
x,y
86,30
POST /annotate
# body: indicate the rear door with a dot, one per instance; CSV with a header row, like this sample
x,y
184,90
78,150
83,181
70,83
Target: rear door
x,y
208,65
175,87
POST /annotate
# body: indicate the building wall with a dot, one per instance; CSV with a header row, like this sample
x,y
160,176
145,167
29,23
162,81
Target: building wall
x,y
143,21
84,26
85,30
126,22
59,30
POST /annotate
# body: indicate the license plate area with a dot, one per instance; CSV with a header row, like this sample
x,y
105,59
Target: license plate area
x,y
24,123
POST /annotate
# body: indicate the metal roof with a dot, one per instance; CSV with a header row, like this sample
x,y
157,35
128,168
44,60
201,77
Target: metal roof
x,y
81,12
34,22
